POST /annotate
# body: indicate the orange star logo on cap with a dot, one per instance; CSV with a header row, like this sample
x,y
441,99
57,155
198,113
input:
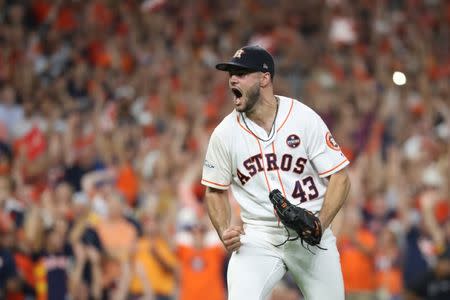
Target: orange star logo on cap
x,y
238,53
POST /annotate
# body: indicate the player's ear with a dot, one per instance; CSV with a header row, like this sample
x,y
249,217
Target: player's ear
x,y
265,79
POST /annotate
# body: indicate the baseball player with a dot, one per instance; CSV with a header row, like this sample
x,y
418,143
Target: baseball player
x,y
267,143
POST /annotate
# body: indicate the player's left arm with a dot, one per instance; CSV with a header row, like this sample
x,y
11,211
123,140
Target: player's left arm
x,y
335,196
328,160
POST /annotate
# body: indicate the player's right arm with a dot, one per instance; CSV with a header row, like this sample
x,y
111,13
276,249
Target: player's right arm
x,y
219,211
217,175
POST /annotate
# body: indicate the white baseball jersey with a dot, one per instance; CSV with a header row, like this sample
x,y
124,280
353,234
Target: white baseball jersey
x,y
296,160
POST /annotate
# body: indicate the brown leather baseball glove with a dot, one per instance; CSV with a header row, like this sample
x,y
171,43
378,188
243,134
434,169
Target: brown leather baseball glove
x,y
301,220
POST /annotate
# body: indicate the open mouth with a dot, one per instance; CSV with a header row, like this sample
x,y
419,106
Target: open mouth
x,y
237,93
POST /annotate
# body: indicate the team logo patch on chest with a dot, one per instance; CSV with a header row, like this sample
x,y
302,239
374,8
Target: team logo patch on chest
x,y
293,141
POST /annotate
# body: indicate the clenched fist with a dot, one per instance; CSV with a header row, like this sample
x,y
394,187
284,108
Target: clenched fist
x,y
231,237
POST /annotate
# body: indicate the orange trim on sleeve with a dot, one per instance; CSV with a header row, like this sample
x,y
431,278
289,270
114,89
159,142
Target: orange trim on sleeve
x,y
287,116
218,184
340,164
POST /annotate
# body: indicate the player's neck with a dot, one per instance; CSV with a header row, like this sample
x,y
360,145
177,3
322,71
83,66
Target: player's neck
x,y
264,112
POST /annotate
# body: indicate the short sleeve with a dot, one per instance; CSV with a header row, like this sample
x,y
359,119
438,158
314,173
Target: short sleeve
x,y
323,151
217,164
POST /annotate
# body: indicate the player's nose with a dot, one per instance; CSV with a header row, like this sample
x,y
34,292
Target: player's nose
x,y
233,80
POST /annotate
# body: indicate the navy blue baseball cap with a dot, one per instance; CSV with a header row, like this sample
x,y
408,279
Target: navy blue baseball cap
x,y
251,58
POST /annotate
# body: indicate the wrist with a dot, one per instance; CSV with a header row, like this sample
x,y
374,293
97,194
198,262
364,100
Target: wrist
x,y
221,231
94,263
220,235
81,260
324,224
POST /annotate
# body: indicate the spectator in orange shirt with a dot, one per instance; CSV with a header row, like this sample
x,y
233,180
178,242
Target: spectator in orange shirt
x,y
388,265
201,258
127,181
155,262
118,238
357,247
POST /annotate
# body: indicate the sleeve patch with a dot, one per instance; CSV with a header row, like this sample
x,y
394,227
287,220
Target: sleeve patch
x,y
331,143
209,164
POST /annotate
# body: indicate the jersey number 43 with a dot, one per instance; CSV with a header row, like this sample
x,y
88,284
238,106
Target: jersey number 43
x,y
305,189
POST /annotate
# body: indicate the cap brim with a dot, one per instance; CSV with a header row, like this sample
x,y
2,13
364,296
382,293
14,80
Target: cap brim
x,y
231,66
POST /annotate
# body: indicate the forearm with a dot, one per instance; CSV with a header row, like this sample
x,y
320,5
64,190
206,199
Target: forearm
x,y
219,209
96,287
428,203
124,282
145,281
169,268
337,192
33,228
75,276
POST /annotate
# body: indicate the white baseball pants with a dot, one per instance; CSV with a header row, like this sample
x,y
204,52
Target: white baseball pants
x,y
258,265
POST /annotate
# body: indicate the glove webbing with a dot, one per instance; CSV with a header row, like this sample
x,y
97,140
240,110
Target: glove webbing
x,y
289,239
277,196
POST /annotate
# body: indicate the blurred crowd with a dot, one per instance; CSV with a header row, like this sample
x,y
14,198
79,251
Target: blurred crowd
x,y
106,107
